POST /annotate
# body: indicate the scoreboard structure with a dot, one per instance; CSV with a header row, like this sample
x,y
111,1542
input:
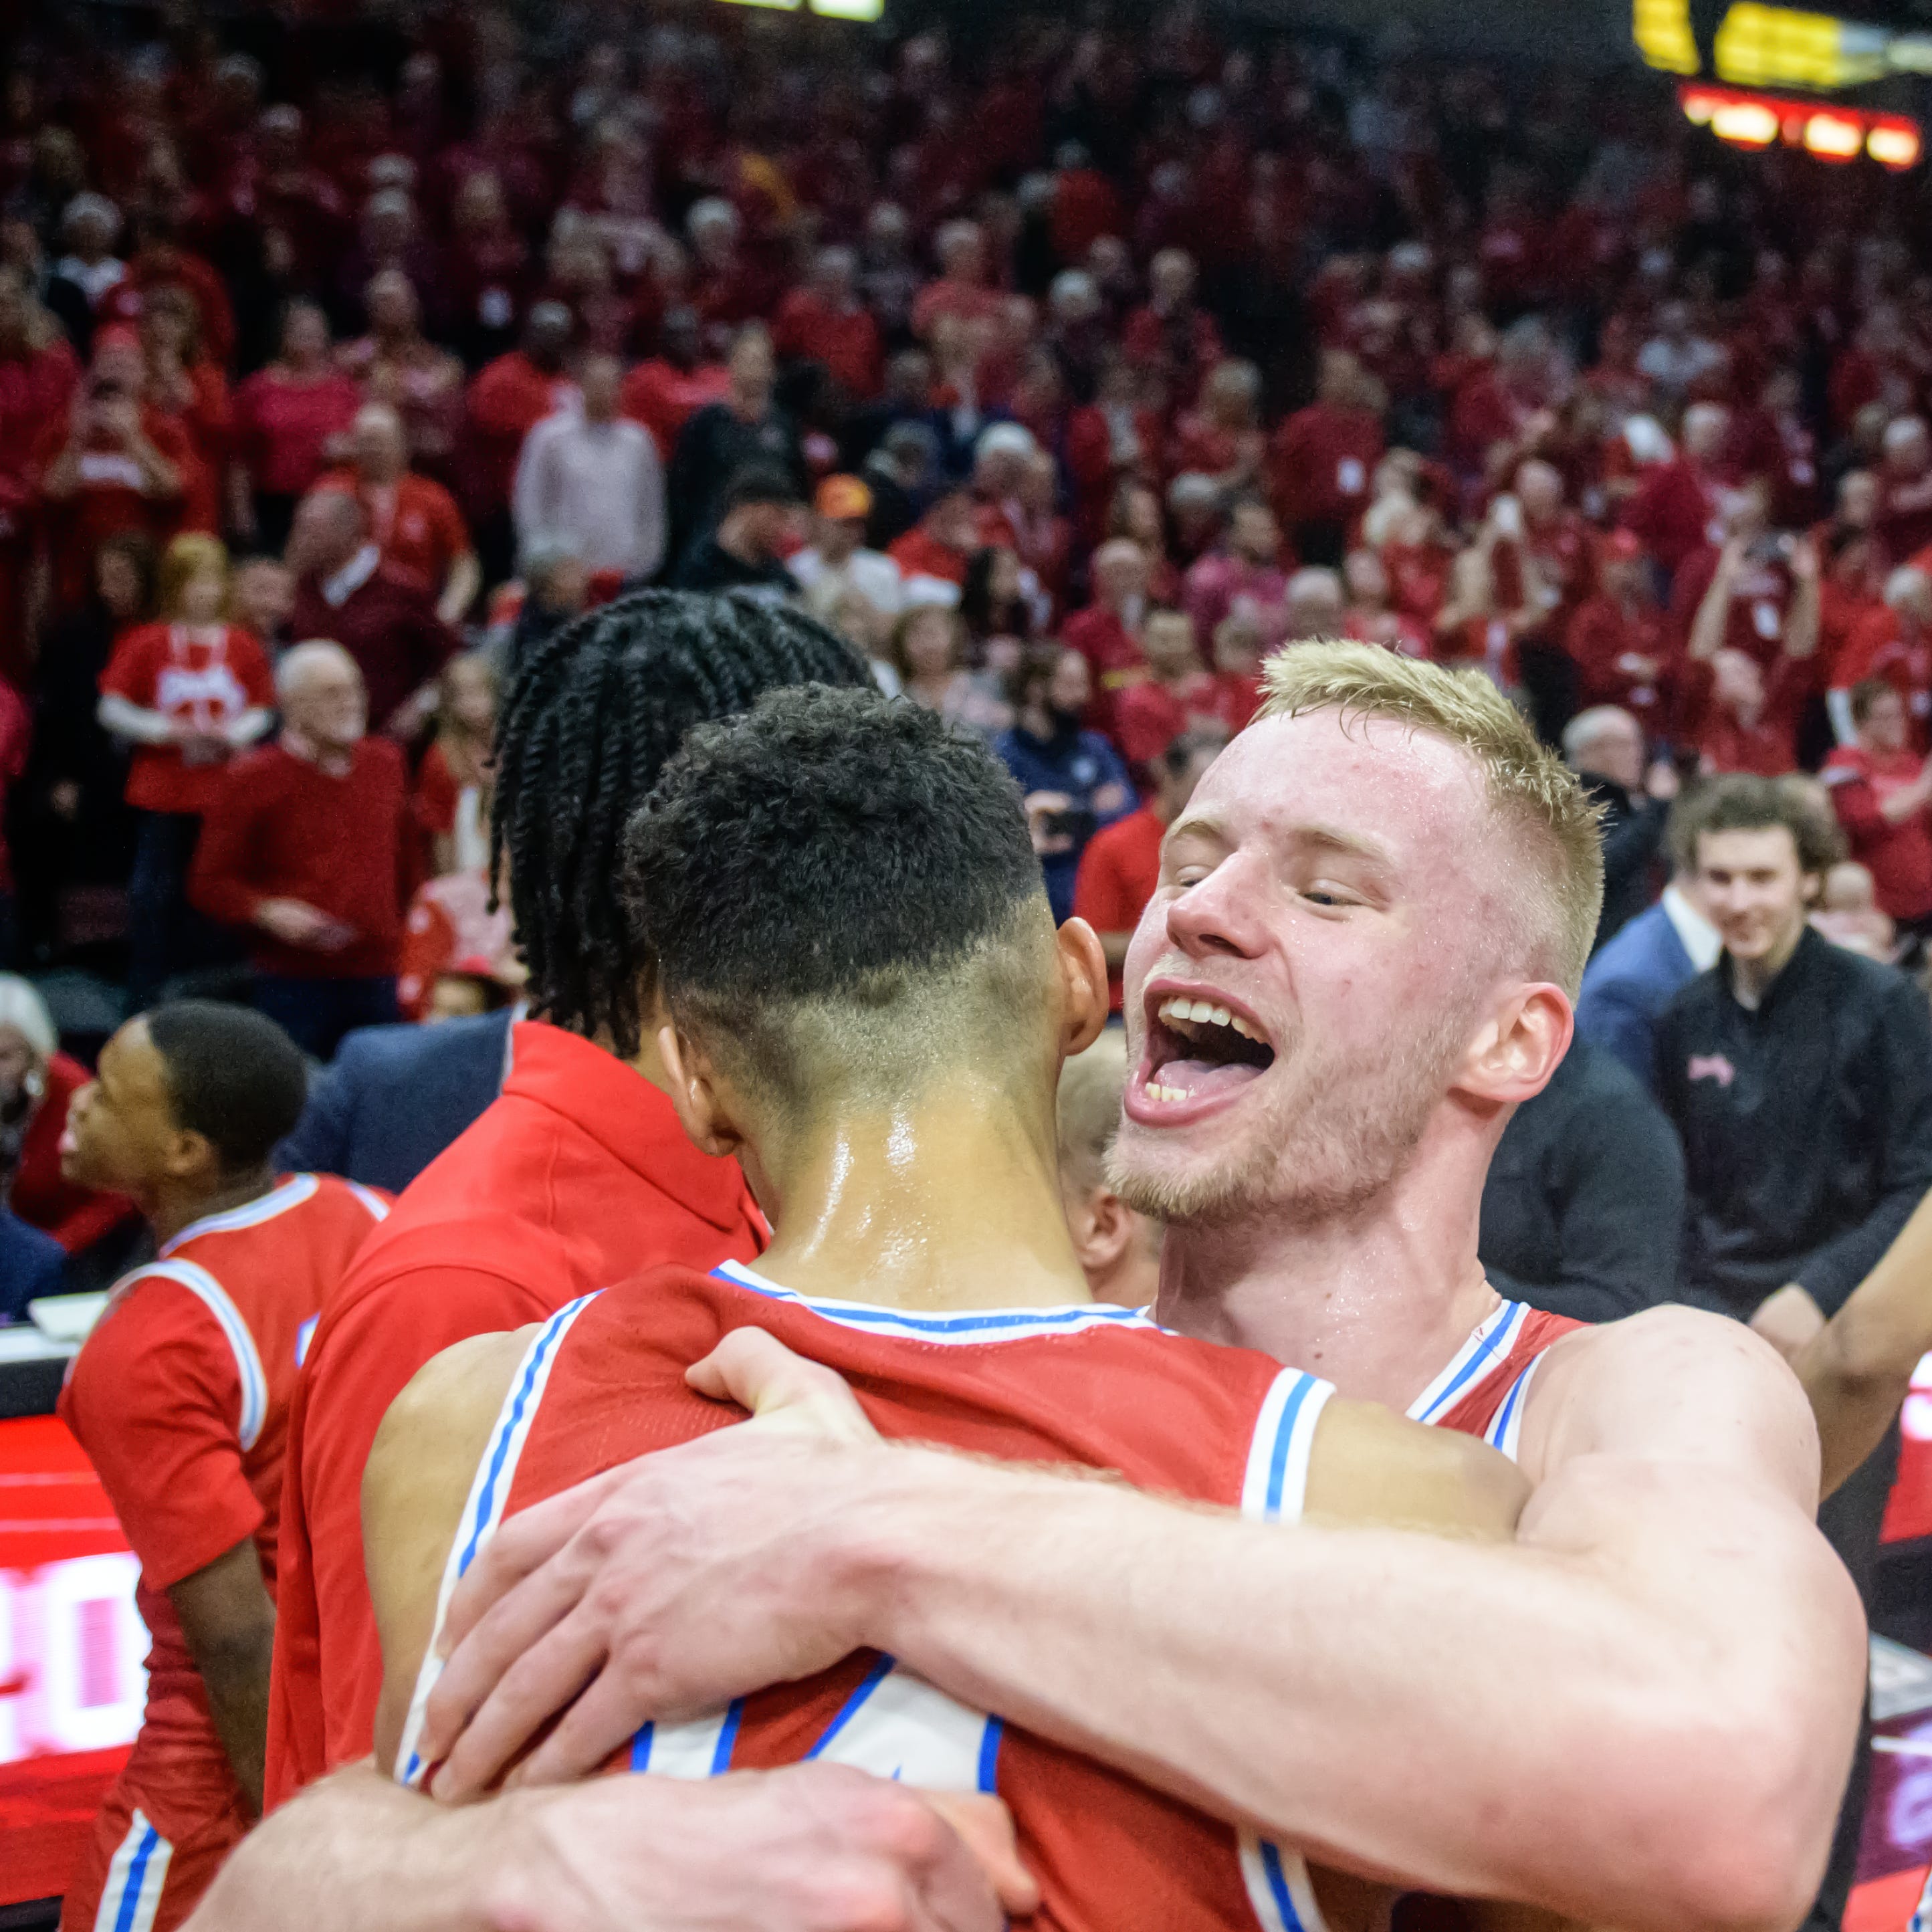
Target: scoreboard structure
x,y
1725,54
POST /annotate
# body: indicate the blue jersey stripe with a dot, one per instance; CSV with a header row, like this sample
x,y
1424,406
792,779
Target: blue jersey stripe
x,y
1277,1878
487,1500
137,1871
851,1708
1284,1434
989,1754
727,1737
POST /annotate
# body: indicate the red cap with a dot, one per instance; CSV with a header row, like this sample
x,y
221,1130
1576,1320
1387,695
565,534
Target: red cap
x,y
117,335
1622,546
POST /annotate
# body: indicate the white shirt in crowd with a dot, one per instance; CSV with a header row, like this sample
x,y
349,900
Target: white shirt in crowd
x,y
869,573
599,487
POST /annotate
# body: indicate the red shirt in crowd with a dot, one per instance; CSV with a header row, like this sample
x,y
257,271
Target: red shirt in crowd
x,y
1674,511
1118,873
1767,746
919,554
281,827
1905,513
965,300
508,399
578,1175
76,1217
35,390
1760,600
109,499
205,677
663,397
1113,655
847,341
180,1397
1148,717
414,522
1880,646
283,427
385,619
1323,461
1623,656
1899,856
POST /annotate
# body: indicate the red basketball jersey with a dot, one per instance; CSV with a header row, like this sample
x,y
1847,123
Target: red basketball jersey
x,y
1093,1386
180,1397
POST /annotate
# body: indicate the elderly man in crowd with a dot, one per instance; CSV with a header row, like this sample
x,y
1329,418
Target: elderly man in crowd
x,y
591,476
306,847
386,619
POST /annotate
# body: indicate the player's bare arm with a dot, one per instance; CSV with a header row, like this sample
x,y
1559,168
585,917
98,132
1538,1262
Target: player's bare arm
x,y
229,1619
820,1848
1638,1713
1857,1369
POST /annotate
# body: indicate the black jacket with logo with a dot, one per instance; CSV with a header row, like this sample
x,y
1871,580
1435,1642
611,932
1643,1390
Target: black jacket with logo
x,y
1806,1125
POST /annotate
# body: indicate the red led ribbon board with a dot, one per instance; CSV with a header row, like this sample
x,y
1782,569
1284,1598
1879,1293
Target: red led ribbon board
x,y
72,1683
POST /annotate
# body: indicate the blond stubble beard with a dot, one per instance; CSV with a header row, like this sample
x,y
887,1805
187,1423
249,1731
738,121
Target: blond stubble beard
x,y
1331,1144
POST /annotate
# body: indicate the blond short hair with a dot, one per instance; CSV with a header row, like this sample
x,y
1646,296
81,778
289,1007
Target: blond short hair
x,y
1535,795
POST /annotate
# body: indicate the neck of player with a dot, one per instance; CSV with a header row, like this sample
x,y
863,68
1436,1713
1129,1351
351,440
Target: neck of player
x,y
949,1201
170,1210
1375,1298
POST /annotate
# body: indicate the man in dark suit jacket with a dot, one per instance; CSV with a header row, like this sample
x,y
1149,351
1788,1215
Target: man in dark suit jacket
x,y
395,1096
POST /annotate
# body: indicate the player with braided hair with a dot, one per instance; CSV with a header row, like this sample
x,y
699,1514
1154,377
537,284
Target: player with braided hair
x,y
578,1174
596,712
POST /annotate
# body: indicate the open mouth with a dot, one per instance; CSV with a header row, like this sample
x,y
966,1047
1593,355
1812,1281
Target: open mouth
x,y
1200,1049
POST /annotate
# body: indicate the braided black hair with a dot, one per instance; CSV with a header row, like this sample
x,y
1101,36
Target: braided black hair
x,y
596,711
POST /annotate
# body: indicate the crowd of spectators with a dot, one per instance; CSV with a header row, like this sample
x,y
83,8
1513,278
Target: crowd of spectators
x,y
1067,375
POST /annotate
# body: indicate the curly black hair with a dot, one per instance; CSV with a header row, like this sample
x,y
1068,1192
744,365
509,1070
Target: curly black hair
x,y
836,850
596,711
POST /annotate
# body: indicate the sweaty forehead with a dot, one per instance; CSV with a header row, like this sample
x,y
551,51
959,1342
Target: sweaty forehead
x,y
1417,795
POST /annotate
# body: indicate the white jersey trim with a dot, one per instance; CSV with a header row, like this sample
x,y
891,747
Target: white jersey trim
x,y
496,1473
1473,1363
989,1324
197,1280
1275,1489
290,1193
378,1208
136,1877
1275,1484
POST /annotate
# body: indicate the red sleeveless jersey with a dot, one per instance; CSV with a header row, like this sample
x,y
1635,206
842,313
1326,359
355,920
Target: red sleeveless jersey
x,y
1481,1390
1093,1386
180,1397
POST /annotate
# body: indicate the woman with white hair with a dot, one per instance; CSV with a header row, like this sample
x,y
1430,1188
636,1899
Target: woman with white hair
x,y
37,1083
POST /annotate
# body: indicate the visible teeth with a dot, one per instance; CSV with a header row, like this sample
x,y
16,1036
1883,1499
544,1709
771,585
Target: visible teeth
x,y
1156,1091
1204,1012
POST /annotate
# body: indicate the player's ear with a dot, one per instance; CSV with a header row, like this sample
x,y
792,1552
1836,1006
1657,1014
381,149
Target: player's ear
x,y
1083,980
189,1153
1521,1043
700,1109
1102,1226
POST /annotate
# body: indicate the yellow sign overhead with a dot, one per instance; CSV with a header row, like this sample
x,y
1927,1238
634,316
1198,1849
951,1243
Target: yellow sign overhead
x,y
1761,46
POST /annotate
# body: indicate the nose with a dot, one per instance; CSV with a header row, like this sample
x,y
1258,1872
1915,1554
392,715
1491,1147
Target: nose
x,y
1220,914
